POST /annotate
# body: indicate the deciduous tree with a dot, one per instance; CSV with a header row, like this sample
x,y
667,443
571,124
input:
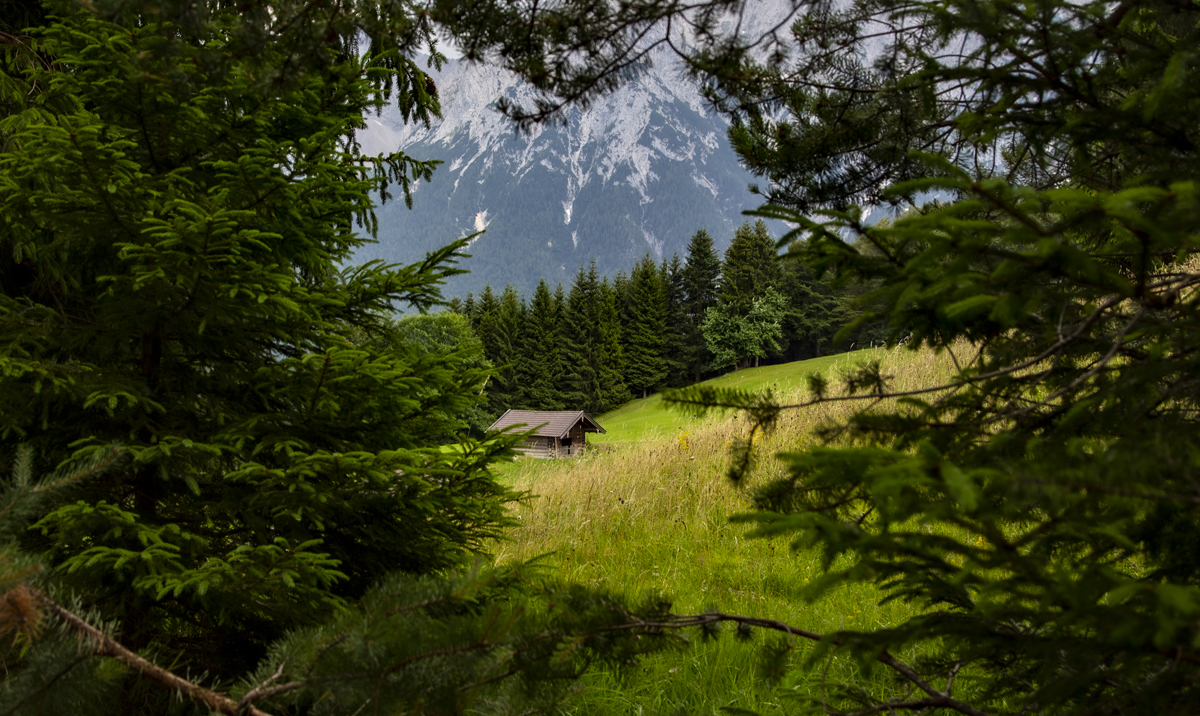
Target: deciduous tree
x,y
451,333
735,339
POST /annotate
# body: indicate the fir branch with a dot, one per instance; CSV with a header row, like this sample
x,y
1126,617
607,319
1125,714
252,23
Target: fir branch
x,y
104,645
263,691
46,686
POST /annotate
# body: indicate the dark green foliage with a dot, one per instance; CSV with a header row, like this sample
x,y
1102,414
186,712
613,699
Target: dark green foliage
x,y
816,310
180,194
735,339
661,312
482,312
675,330
486,322
469,309
751,265
644,328
541,370
581,320
1041,512
620,287
610,366
489,641
501,324
478,640
43,669
591,343
700,284
449,332
508,342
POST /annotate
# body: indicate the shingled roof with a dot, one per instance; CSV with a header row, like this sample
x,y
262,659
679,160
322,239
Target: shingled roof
x,y
549,423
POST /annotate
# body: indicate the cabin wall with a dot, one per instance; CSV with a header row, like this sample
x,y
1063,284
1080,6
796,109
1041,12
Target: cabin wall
x,y
537,447
553,447
578,442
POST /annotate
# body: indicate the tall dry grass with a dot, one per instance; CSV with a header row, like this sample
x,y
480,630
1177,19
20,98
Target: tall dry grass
x,y
653,517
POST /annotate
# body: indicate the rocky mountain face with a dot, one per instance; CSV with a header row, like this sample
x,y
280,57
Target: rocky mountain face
x,y
638,172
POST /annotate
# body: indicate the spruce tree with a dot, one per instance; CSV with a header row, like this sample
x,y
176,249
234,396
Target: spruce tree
x,y
564,338
540,367
468,309
610,364
816,310
486,316
700,285
453,643
506,390
620,286
560,313
644,330
487,327
581,325
751,265
592,345
181,196
675,330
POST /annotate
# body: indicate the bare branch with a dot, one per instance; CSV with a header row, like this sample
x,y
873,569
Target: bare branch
x,y
262,691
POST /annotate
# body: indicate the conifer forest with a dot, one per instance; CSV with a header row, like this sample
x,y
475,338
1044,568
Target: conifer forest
x,y
666,325
243,474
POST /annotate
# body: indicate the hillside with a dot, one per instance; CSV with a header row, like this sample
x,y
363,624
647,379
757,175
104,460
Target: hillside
x,y
648,512
650,418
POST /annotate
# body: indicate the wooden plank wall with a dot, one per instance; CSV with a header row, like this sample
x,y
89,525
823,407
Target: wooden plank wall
x,y
537,447
547,447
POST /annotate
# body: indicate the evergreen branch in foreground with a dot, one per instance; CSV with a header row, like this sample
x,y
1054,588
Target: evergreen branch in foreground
x,y
104,645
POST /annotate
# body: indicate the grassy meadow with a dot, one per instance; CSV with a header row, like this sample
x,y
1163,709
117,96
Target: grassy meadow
x,y
648,510
647,419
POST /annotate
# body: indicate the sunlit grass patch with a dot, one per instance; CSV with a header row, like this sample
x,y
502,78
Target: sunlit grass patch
x,y
648,512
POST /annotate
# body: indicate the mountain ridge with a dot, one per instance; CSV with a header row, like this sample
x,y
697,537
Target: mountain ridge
x,y
639,172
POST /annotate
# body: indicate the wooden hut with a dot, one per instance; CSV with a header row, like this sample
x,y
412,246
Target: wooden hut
x,y
556,433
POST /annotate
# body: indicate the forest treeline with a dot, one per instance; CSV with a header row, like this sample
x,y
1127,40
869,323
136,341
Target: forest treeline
x,y
663,324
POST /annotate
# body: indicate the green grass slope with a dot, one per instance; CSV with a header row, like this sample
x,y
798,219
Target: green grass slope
x,y
648,511
650,418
